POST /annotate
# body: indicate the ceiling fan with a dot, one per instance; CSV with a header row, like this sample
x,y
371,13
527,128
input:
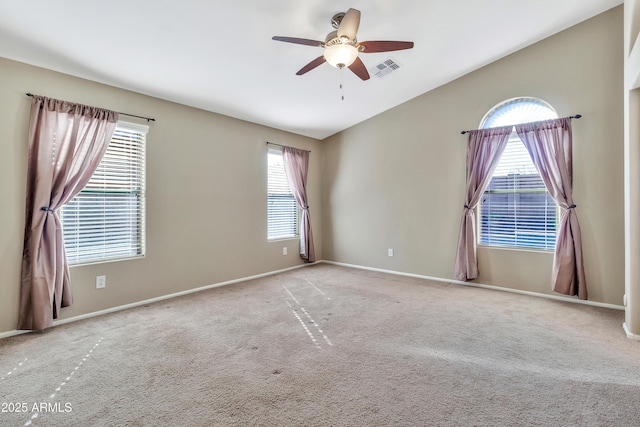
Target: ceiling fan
x,y
341,48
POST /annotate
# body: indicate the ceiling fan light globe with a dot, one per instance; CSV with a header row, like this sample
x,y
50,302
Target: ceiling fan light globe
x,y
340,55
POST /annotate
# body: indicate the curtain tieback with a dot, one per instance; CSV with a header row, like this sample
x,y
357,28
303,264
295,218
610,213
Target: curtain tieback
x,y
306,208
47,209
572,207
467,207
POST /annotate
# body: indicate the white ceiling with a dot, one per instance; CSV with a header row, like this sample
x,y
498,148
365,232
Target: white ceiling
x,y
218,55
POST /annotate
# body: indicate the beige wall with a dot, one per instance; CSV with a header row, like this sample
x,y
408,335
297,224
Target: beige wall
x,y
206,196
397,180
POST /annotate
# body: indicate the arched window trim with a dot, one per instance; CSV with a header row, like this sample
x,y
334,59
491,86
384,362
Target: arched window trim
x,y
514,101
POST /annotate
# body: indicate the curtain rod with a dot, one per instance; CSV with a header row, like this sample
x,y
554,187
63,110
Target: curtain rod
x,y
149,119
278,145
577,116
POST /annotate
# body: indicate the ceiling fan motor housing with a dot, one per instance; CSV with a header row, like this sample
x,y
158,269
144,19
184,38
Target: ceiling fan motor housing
x,y
333,39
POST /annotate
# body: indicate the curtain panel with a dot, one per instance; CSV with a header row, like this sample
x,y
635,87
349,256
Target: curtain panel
x,y
551,148
66,143
484,148
296,166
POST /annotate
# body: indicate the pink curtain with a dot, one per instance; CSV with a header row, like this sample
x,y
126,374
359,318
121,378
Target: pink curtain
x,y
296,165
66,143
483,153
550,145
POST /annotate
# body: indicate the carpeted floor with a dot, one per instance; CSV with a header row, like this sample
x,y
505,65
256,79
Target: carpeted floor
x,y
329,346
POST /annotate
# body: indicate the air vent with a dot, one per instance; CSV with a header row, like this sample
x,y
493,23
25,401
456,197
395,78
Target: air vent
x,y
384,68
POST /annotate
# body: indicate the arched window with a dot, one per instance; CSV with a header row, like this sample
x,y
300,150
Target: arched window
x,y
516,209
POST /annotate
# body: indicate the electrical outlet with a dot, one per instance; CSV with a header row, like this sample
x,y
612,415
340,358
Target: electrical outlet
x,y
101,282
390,252
284,250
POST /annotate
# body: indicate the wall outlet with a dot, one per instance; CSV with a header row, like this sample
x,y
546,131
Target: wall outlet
x,y
284,250
101,282
390,252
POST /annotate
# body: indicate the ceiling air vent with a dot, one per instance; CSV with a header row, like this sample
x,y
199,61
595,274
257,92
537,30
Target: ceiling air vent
x,y
384,68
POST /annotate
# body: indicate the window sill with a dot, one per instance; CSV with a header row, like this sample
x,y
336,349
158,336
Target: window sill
x,y
282,239
106,261
516,249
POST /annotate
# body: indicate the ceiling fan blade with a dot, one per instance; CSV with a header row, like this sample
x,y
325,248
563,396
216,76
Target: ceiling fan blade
x,y
311,65
384,46
297,40
349,25
359,69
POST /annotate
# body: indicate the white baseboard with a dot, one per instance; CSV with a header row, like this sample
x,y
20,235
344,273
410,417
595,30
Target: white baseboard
x,y
271,273
480,285
629,334
12,333
156,299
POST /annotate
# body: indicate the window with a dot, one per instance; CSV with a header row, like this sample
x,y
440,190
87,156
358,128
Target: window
x,y
105,221
516,209
282,208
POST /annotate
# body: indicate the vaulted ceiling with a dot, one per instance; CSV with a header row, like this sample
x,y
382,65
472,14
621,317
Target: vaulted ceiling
x,y
219,55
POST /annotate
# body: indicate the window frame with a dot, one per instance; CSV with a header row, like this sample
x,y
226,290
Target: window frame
x,y
139,133
514,138
276,150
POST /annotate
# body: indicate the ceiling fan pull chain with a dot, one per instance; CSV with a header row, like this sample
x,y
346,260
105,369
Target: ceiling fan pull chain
x,y
341,83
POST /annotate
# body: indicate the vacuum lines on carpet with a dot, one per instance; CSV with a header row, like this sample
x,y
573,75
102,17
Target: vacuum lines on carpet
x,y
306,314
36,407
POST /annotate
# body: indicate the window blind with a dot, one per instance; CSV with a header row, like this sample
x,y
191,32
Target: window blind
x,y
516,208
282,208
105,221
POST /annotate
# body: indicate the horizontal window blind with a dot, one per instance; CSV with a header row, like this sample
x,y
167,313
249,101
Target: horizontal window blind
x,y
105,221
282,208
516,208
